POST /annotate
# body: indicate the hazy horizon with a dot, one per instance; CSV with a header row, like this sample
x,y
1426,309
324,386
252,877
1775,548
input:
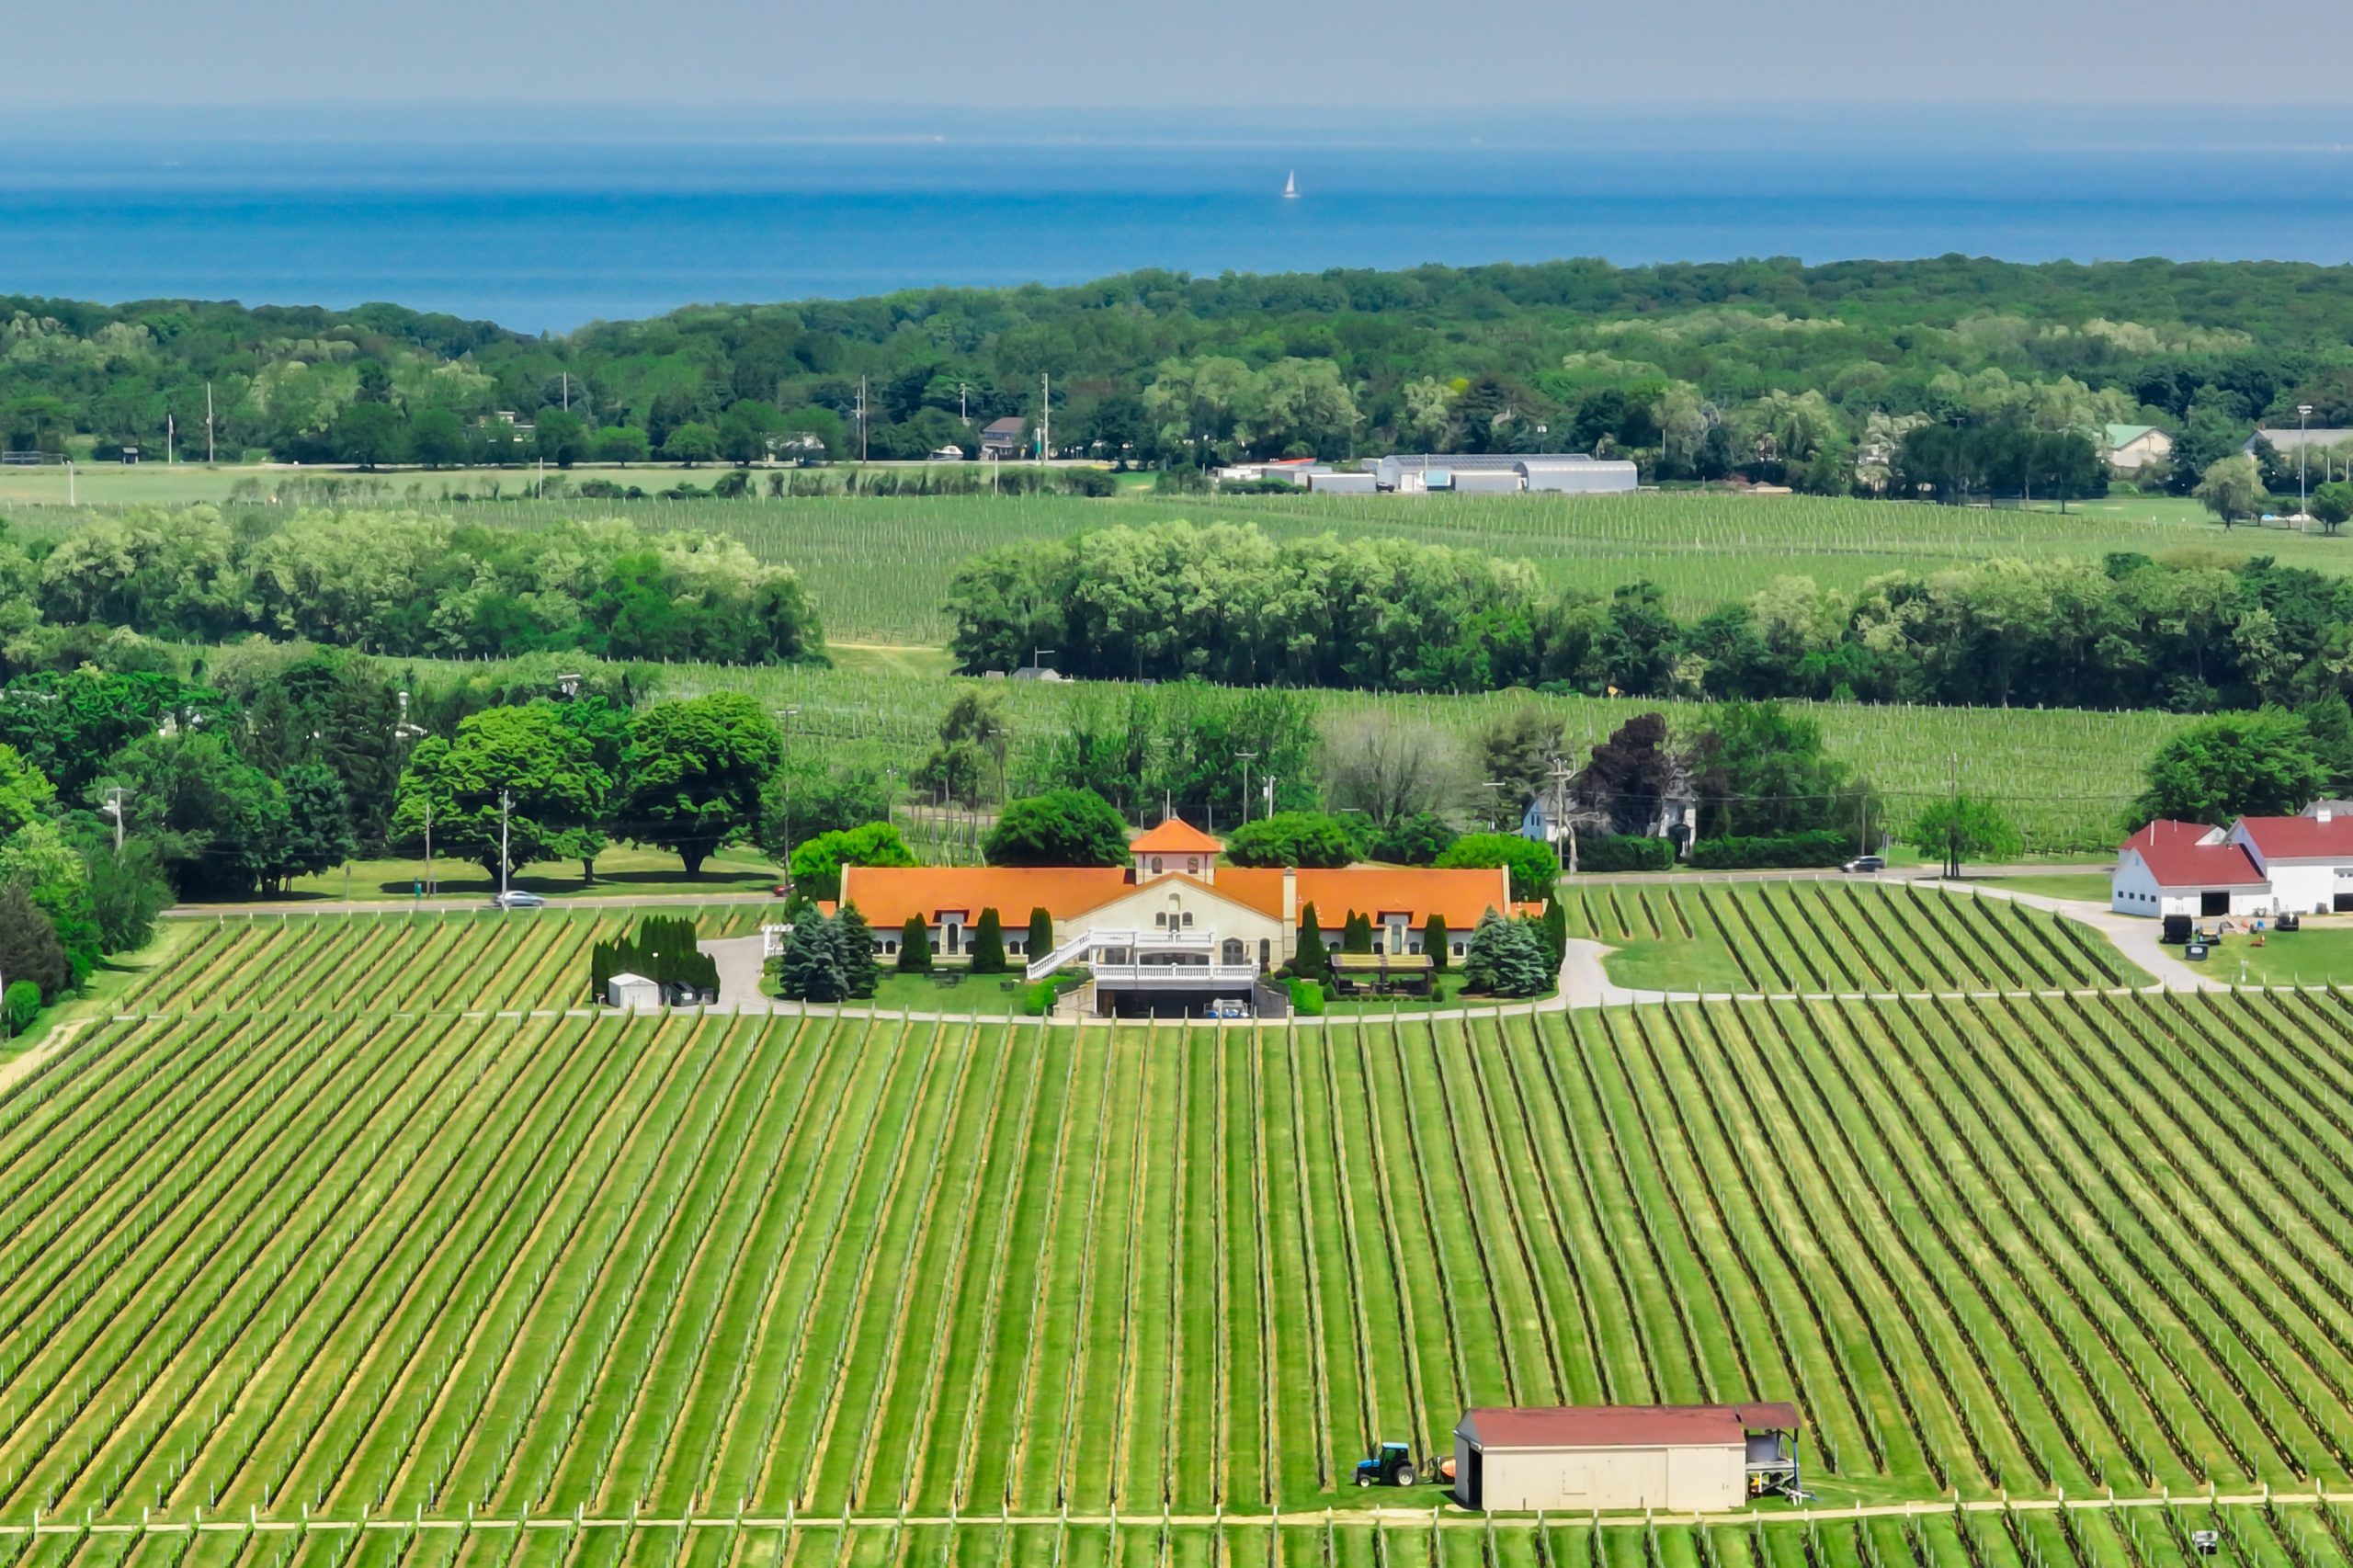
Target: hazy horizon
x,y
740,55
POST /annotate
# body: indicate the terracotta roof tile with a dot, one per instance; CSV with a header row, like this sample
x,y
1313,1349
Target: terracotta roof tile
x,y
1461,895
1176,836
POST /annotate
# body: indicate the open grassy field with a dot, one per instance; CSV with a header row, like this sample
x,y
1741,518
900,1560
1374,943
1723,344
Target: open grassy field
x,y
1823,937
282,1249
879,567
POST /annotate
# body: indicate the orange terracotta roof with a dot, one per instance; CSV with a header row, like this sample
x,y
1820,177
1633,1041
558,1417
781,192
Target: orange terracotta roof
x,y
1176,836
1461,896
886,895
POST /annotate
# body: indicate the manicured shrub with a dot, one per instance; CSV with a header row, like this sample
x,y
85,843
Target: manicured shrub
x,y
914,947
1822,848
988,944
1624,852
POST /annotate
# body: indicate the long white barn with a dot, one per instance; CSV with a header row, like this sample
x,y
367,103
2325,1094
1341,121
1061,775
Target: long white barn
x,y
2300,865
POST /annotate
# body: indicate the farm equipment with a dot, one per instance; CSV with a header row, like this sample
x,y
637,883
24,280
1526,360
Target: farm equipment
x,y
1391,1466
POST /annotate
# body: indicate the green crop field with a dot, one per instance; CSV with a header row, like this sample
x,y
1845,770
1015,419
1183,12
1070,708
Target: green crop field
x,y
516,960
2279,1534
1823,937
2289,1535
879,567
271,1249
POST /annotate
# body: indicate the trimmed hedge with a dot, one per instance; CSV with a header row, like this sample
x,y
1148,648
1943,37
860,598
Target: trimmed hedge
x,y
1624,852
1824,847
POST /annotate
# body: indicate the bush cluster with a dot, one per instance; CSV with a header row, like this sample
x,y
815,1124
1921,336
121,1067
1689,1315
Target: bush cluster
x,y
1822,848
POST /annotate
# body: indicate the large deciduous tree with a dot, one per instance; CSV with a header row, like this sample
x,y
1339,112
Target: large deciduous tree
x,y
1061,827
1293,838
695,770
2231,766
1965,827
545,769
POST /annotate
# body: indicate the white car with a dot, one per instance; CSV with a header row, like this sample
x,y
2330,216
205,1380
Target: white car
x,y
517,900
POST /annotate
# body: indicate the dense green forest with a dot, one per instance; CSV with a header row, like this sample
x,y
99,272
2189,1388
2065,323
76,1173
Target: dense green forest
x,y
1813,374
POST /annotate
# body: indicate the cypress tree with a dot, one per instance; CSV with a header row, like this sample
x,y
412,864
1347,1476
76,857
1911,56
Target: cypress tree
x,y
1434,940
1041,934
1311,963
914,947
1555,925
1356,937
855,940
988,944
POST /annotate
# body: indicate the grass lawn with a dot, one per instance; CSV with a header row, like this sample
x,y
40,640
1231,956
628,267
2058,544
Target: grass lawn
x,y
2308,957
1676,963
619,871
949,991
2090,886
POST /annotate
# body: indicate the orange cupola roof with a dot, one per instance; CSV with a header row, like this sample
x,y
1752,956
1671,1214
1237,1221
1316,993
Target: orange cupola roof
x,y
1176,836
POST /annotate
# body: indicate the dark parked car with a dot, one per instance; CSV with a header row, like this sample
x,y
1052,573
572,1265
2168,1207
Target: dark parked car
x,y
1865,863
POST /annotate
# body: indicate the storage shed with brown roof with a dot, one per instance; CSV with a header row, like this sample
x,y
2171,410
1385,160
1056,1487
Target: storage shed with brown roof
x,y
1610,1457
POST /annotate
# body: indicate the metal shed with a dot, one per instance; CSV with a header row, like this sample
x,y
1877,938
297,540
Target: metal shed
x,y
633,992
1677,1457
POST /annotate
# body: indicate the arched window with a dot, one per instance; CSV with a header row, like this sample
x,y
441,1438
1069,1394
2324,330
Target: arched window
x,y
1155,864
1233,951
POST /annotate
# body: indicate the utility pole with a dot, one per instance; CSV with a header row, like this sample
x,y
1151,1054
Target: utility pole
x,y
171,437
506,805
1243,758
567,391
861,418
429,888
1045,417
208,423
115,792
1563,831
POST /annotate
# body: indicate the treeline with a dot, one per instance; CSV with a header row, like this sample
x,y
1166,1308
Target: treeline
x,y
272,762
1811,374
2186,632
410,584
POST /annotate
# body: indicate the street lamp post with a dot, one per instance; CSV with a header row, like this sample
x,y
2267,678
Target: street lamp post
x,y
1491,800
2303,413
1243,757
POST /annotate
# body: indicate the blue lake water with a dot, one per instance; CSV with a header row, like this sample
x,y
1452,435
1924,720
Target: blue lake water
x,y
544,234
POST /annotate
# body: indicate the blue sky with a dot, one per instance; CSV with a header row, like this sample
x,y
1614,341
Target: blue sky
x,y
724,56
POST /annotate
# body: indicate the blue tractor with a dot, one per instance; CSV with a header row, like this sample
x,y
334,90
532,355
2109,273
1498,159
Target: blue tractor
x,y
1392,1466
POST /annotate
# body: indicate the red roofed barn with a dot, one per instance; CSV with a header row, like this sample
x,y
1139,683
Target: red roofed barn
x,y
2268,866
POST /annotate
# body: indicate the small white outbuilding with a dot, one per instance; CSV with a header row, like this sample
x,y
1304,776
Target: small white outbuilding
x,y
634,992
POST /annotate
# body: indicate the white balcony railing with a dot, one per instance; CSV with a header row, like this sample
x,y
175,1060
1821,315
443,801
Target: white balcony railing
x,y
1175,976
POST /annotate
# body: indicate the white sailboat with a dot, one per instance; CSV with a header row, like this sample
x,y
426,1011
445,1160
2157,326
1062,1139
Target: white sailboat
x,y
1290,186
